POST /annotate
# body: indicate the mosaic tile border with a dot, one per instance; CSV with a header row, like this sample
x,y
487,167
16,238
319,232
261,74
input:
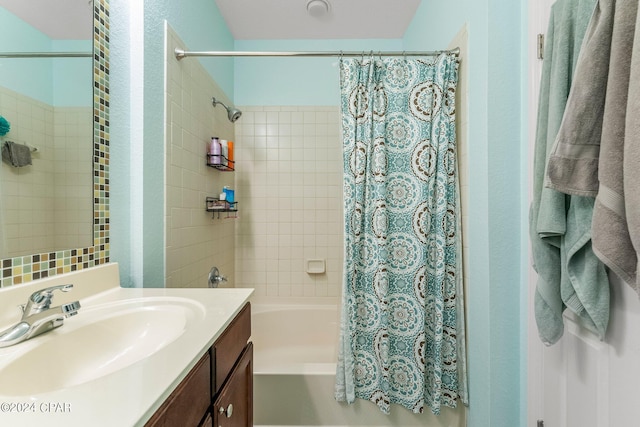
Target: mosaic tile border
x,y
14,271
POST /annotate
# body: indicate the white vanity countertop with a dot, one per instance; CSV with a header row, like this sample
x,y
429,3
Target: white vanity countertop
x,y
130,395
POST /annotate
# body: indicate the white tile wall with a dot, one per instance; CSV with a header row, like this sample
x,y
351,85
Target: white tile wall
x,y
73,148
289,182
195,241
290,186
48,205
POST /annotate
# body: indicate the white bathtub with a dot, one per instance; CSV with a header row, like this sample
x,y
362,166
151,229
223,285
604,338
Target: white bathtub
x,y
294,339
294,373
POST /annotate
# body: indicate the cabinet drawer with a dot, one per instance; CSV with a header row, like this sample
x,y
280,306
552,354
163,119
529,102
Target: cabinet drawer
x,y
228,347
187,404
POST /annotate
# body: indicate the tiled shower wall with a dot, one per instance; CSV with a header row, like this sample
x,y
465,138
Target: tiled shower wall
x,y
289,184
195,241
49,204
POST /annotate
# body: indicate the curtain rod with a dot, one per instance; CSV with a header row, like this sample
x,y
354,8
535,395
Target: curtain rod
x,y
45,54
180,54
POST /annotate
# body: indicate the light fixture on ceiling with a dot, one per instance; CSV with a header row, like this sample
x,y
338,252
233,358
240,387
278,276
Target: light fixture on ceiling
x,y
318,8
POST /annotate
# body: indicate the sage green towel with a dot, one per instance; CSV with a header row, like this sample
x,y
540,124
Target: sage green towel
x,y
560,241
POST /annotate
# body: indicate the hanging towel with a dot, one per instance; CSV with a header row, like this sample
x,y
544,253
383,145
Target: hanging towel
x,y
589,153
573,162
560,242
584,281
17,155
632,149
611,239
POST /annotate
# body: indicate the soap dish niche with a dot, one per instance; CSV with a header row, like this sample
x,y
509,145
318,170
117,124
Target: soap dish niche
x,y
316,266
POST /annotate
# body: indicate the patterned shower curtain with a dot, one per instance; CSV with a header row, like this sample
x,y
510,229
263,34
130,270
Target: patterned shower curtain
x,y
402,330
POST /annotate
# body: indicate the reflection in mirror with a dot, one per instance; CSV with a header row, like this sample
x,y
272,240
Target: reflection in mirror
x,y
46,205
54,215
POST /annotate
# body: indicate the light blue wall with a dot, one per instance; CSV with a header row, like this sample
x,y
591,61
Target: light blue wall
x,y
436,23
295,81
72,78
525,64
505,92
120,140
137,138
200,26
30,77
62,82
495,182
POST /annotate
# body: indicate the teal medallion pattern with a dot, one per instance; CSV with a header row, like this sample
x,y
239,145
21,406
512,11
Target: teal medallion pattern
x,y
402,333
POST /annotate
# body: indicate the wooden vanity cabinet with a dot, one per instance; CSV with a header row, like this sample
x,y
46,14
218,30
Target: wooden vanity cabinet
x,y
232,373
218,392
208,421
189,402
233,406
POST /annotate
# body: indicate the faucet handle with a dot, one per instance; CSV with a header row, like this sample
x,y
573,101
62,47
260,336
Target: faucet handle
x,y
47,293
41,300
215,278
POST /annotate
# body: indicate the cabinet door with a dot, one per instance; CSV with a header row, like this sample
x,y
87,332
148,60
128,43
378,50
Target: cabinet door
x,y
207,422
228,347
234,405
189,402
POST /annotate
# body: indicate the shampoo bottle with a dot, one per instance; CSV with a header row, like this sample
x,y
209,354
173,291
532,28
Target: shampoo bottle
x,y
214,151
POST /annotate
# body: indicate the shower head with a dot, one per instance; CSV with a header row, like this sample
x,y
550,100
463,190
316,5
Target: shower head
x,y
233,113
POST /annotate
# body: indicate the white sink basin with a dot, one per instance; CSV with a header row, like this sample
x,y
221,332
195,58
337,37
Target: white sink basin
x,y
98,341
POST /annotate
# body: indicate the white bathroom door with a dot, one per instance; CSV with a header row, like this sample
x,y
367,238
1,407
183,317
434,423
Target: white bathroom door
x,y
581,381
567,381
540,395
585,382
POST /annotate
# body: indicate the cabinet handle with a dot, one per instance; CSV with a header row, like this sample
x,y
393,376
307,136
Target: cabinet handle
x,y
228,412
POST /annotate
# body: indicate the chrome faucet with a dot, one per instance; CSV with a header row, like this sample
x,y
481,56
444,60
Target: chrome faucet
x,y
38,316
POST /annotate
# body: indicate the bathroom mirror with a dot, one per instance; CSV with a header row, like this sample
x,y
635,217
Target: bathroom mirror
x,y
54,213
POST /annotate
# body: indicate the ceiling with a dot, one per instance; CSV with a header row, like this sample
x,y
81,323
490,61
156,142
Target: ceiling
x,y
59,19
289,19
247,19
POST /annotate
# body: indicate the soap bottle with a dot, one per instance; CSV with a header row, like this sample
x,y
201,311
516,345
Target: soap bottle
x,y
224,151
231,162
229,194
214,151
